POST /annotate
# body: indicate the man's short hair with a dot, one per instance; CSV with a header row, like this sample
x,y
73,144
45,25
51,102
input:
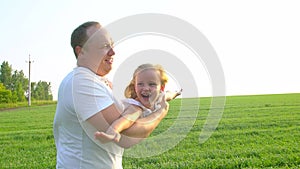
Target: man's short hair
x,y
79,35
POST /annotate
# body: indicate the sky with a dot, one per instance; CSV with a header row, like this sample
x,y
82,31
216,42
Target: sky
x,y
257,42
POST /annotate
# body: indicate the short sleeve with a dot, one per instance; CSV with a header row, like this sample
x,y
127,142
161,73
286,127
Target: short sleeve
x,y
90,95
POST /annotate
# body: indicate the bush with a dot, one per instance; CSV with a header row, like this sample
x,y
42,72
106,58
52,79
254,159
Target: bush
x,y
5,96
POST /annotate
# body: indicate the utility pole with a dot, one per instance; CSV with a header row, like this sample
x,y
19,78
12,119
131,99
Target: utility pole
x,y
29,83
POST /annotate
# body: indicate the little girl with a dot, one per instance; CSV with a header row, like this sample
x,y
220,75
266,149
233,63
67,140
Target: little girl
x,y
143,97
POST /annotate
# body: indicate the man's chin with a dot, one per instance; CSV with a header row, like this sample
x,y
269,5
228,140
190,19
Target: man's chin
x,y
107,70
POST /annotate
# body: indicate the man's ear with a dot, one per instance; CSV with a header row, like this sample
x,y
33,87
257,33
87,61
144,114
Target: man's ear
x,y
78,50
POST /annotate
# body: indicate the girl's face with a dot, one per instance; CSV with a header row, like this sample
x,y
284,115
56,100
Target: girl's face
x,y
147,86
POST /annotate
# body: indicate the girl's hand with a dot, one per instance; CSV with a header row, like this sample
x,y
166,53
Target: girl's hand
x,y
172,95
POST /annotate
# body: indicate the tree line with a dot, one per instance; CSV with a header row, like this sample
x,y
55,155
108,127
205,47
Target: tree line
x,y
14,86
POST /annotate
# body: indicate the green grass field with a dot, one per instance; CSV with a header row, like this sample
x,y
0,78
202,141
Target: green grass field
x,y
260,131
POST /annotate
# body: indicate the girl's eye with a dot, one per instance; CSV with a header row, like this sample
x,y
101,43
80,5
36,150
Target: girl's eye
x,y
140,84
153,84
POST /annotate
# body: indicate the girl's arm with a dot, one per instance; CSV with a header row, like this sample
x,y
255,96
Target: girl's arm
x,y
143,127
126,120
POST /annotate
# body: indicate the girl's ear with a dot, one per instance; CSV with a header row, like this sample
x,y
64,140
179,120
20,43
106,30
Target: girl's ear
x,y
162,88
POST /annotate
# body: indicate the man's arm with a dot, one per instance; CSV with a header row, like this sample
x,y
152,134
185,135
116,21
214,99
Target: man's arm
x,y
103,119
141,129
130,115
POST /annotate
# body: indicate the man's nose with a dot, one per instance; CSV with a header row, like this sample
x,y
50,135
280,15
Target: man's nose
x,y
111,52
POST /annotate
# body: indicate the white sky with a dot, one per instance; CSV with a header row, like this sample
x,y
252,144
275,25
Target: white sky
x,y
257,42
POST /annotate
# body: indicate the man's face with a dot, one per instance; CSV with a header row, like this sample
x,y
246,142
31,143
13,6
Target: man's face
x,y
98,52
104,48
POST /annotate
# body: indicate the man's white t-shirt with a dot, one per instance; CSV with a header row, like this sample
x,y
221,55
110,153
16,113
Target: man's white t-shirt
x,y
82,94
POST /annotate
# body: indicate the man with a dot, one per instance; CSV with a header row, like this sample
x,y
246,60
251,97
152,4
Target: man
x,y
86,105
